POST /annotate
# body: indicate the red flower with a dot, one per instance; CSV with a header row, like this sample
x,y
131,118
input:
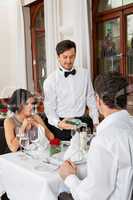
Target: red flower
x,y
55,141
4,110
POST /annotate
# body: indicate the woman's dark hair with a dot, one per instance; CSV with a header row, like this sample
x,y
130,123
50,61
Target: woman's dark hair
x,y
111,88
64,46
18,98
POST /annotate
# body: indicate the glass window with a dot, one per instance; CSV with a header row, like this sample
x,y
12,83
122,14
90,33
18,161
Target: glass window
x,y
110,4
41,57
108,49
125,2
130,44
39,21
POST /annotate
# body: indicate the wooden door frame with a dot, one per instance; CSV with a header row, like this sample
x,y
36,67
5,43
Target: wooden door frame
x,y
108,15
34,9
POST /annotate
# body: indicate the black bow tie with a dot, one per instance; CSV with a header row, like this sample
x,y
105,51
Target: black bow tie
x,y
67,73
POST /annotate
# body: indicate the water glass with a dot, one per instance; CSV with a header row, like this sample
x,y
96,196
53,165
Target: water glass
x,y
33,135
24,141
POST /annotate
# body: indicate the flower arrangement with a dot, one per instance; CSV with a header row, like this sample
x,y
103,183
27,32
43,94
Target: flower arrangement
x,y
3,109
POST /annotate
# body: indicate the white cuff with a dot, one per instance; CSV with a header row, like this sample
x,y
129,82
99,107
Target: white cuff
x,y
72,182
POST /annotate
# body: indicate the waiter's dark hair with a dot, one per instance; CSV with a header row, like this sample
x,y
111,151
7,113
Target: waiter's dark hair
x,y
18,98
111,88
64,46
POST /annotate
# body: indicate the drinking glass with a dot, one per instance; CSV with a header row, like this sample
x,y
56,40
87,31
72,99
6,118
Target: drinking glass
x,y
83,138
24,141
34,137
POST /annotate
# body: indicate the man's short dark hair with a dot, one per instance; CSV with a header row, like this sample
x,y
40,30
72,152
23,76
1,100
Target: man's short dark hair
x,y
111,87
64,46
18,98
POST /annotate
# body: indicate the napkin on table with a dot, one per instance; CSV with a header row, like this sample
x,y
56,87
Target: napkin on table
x,y
43,141
73,152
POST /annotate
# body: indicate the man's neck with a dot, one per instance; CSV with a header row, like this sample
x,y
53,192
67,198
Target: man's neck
x,y
63,69
109,111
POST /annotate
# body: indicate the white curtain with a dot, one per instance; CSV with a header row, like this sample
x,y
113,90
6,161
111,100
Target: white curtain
x,y
12,48
51,33
75,26
84,34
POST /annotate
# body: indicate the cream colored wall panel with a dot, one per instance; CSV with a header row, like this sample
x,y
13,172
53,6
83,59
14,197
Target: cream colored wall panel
x,y
12,49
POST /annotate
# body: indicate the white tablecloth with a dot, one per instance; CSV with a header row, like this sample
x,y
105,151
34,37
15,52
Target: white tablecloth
x,y
22,181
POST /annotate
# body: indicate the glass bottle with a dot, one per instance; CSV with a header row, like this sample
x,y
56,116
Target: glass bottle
x,y
83,137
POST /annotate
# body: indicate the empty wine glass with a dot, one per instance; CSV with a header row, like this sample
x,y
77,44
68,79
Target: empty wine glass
x,y
34,137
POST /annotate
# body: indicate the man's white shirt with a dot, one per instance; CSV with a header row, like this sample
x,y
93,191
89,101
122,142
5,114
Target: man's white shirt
x,y
109,163
68,96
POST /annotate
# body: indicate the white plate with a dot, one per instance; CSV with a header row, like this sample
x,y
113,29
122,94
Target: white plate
x,y
59,159
79,162
45,167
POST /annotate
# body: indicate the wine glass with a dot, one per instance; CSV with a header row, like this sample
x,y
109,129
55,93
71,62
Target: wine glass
x,y
24,141
34,137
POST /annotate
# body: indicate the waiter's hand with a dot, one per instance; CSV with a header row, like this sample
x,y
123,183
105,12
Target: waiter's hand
x,y
63,125
67,168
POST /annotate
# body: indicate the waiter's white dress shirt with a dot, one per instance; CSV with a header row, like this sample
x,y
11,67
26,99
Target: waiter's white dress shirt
x,y
110,162
68,96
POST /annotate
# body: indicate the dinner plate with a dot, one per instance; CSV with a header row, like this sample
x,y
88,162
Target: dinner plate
x,y
79,162
59,159
45,167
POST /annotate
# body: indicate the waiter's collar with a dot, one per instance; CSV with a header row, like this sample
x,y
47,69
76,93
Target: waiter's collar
x,y
65,70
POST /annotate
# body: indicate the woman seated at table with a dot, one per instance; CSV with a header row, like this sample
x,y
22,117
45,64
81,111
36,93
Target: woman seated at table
x,y
21,104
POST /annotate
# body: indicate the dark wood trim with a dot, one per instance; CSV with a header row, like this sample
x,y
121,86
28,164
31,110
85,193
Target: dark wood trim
x,y
108,16
34,9
94,26
110,11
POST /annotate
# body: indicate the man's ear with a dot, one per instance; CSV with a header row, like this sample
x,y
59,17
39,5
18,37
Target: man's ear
x,y
97,101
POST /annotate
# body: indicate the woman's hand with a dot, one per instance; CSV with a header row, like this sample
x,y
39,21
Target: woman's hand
x,y
27,123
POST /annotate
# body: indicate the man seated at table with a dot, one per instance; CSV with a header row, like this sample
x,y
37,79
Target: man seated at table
x,y
110,157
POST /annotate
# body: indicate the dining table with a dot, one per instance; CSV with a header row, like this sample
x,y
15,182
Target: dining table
x,y
27,177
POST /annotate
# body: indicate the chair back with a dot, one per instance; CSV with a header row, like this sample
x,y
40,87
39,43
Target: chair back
x,y
3,144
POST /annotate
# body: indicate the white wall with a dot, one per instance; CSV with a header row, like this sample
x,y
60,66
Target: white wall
x,y
12,55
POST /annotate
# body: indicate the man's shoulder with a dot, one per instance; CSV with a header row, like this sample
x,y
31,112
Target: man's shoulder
x,y
50,77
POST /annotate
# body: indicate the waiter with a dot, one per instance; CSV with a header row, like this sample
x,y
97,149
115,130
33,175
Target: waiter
x,y
68,91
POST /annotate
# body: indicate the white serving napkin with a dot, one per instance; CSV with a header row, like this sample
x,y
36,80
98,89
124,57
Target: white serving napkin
x,y
73,152
43,141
